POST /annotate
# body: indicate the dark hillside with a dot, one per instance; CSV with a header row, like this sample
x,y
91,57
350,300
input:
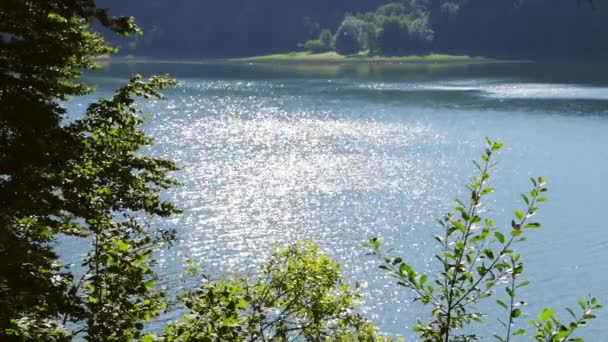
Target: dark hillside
x,y
544,29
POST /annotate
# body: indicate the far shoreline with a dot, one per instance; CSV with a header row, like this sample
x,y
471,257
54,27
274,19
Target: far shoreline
x,y
330,58
334,58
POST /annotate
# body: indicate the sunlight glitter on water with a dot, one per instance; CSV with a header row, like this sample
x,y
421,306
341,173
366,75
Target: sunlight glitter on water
x,y
338,160
547,91
500,89
269,174
256,175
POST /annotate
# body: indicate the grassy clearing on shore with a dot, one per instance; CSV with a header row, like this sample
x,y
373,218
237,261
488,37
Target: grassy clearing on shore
x,y
333,57
327,58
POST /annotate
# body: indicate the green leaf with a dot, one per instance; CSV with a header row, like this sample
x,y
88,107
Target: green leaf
x,y
147,338
501,303
571,312
373,243
533,225
515,313
546,314
460,226
501,339
57,18
122,246
582,305
519,214
488,253
497,146
423,280
510,292
500,237
487,191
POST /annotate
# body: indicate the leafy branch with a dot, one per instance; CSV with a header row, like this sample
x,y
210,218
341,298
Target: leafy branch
x,y
476,259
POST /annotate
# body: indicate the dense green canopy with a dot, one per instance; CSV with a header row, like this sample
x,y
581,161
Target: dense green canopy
x,y
67,176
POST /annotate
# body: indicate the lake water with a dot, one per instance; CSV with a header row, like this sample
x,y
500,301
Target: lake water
x,y
271,154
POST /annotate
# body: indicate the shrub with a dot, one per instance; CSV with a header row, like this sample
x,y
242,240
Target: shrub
x,y
299,295
315,46
476,260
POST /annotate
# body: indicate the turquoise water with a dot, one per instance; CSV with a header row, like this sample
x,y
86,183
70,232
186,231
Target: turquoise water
x,y
338,154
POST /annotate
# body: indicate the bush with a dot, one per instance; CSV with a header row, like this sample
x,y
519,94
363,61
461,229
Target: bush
x,y
478,261
298,295
323,44
315,46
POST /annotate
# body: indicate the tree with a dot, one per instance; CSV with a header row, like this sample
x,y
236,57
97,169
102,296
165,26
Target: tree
x,y
393,29
327,38
87,178
393,9
393,37
348,36
82,178
421,35
298,295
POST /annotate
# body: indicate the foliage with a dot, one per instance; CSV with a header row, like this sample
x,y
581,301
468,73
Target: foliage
x,y
420,33
84,178
327,38
402,29
297,295
87,178
393,29
324,43
550,329
450,8
476,259
525,29
119,283
349,35
333,57
393,37
393,9
316,46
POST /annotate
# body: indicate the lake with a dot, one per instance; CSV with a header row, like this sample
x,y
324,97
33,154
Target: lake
x,y
271,154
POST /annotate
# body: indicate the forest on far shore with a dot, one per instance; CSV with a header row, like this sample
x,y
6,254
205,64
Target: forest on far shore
x,y
533,29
